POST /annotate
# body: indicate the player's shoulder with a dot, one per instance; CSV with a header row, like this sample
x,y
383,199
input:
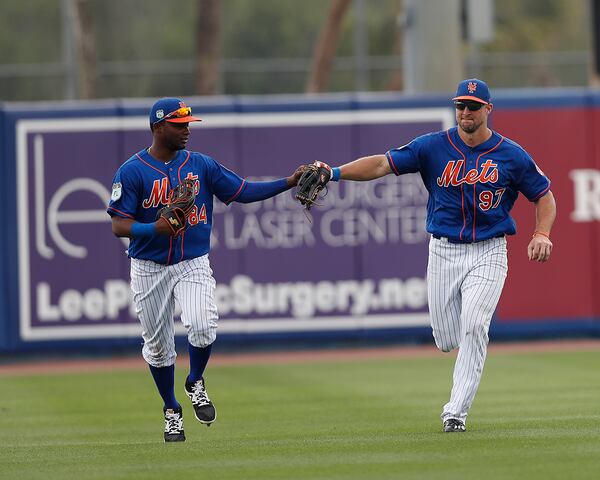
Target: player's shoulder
x,y
509,143
435,136
514,149
198,155
200,158
429,138
132,163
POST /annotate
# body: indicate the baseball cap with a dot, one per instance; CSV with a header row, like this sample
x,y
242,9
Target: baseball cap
x,y
172,110
473,89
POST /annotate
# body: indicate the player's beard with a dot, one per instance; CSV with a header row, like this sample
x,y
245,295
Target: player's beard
x,y
177,146
471,127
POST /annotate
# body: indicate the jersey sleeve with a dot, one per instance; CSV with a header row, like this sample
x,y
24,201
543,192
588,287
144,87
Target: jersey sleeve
x,y
405,159
124,198
532,182
226,185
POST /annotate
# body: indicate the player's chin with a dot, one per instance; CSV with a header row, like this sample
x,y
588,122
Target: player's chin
x,y
468,126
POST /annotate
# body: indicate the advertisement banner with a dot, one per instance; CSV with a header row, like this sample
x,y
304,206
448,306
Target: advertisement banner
x,y
356,262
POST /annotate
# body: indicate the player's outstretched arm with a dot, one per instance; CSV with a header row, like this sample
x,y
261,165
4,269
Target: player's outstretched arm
x,y
257,191
540,246
366,168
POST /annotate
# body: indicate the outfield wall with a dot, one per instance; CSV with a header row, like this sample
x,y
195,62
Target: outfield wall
x,y
356,269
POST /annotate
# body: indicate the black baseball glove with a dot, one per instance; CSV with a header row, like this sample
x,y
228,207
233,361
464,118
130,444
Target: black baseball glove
x,y
313,180
179,206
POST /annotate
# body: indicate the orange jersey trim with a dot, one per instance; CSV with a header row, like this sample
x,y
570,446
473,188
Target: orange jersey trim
x,y
391,162
462,190
181,166
236,194
121,214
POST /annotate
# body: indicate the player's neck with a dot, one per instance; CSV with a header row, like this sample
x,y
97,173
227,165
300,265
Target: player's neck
x,y
162,154
479,136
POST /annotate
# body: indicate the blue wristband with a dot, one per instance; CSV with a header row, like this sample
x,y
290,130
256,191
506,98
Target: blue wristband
x,y
143,230
336,174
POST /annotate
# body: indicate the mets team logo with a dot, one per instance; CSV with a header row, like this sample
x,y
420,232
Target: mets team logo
x,y
472,86
452,174
159,195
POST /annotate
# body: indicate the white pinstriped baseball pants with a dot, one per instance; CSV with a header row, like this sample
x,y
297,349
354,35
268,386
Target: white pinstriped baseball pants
x,y
155,289
464,285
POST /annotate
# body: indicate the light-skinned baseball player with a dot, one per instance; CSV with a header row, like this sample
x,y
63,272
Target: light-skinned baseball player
x,y
473,175
169,250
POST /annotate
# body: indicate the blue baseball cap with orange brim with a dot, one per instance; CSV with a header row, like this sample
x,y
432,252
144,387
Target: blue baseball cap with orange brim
x,y
173,110
473,89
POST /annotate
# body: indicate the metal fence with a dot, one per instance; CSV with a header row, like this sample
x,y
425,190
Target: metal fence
x,y
287,75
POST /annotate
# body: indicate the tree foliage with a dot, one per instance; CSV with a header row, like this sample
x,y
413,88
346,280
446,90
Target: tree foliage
x,y
147,47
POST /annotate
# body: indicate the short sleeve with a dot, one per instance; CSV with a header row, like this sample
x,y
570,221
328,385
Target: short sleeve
x,y
405,159
532,182
125,195
226,185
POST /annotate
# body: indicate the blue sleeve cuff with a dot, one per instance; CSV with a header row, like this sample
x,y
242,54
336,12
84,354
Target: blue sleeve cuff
x,y
143,230
336,174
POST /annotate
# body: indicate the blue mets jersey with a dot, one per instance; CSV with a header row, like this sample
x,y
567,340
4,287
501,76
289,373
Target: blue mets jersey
x,y
471,190
141,187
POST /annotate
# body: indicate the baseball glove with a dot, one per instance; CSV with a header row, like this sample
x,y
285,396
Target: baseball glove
x,y
313,180
179,206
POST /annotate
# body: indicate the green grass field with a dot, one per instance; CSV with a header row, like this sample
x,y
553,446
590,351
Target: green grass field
x,y
536,416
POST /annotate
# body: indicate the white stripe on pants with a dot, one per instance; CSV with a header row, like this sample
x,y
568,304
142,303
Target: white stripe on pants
x,y
464,282
155,289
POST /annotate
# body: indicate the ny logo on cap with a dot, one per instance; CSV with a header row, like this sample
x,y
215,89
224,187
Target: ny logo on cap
x,y
472,87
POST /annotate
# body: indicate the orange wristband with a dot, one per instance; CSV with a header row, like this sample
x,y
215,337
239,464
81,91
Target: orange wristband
x,y
542,234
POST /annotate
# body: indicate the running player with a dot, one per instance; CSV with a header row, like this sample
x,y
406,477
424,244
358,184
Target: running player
x,y
473,176
167,268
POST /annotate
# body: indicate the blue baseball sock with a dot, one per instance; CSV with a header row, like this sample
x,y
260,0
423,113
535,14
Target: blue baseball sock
x,y
164,377
198,361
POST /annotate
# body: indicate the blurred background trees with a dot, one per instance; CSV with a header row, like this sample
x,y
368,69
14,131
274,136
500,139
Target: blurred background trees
x,y
68,49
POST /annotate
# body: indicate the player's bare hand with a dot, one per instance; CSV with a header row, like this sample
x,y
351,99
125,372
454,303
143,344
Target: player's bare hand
x,y
162,227
292,180
539,248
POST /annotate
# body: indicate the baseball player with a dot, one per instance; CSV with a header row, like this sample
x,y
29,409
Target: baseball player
x,y
473,176
171,264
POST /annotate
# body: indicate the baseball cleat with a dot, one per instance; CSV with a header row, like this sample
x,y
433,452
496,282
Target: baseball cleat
x,y
454,425
174,425
203,408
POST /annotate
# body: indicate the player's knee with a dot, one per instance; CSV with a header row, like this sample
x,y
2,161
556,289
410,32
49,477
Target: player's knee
x,y
158,356
202,338
445,344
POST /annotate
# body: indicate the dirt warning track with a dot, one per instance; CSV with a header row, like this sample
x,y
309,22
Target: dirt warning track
x,y
78,365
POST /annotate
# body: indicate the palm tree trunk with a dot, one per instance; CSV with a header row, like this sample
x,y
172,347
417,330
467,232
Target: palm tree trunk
x,y
325,47
208,47
86,49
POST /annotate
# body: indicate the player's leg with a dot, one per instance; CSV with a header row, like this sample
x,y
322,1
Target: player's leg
x,y
195,292
154,304
481,292
444,279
